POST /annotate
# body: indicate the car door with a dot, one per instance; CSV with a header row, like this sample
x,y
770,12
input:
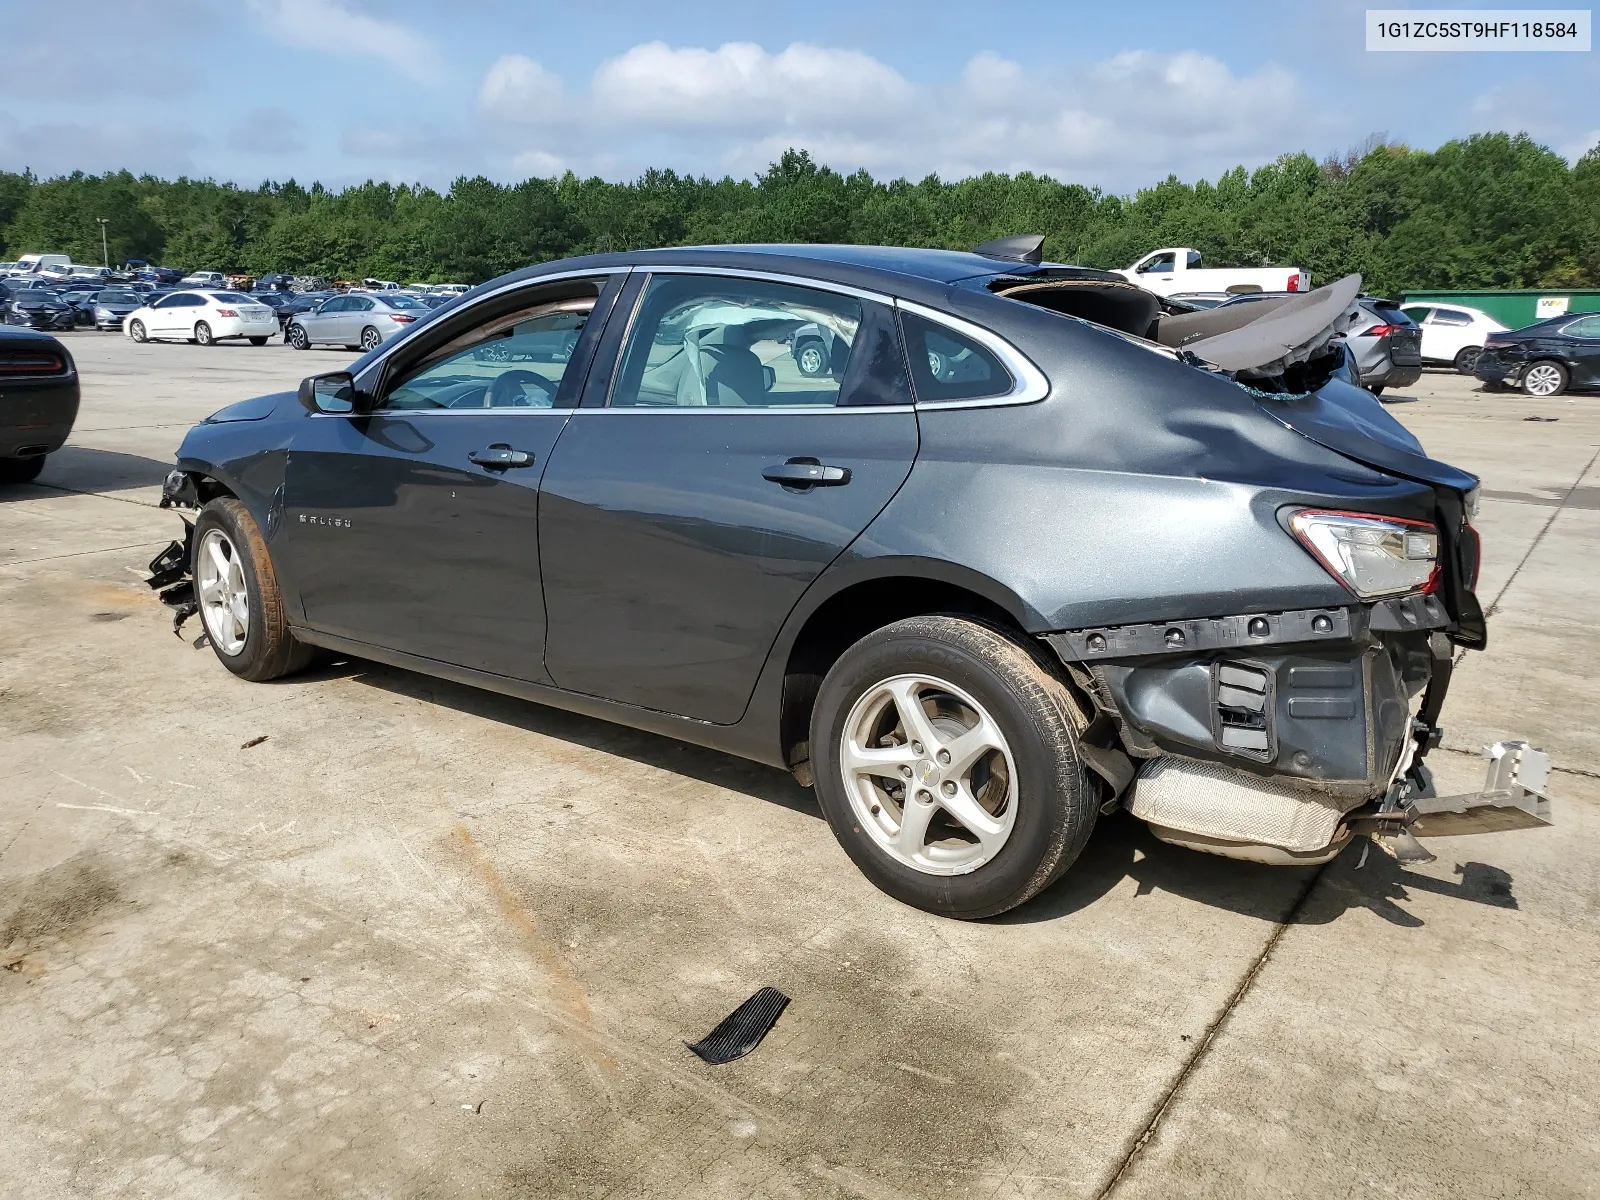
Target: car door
x,y
322,323
1447,333
170,312
706,481
1584,351
357,316
415,526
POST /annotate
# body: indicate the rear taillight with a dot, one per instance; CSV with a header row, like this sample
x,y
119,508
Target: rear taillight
x,y
403,318
1381,330
226,312
1371,555
25,362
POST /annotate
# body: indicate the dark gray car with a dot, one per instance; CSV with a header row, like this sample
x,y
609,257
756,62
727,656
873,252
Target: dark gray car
x,y
1030,546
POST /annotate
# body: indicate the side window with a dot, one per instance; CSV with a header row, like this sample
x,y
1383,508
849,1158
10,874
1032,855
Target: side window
x,y
1588,327
1451,316
337,304
702,341
946,365
360,304
191,301
1161,264
516,364
1417,312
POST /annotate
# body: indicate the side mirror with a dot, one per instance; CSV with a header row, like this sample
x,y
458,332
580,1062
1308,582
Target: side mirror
x,y
334,393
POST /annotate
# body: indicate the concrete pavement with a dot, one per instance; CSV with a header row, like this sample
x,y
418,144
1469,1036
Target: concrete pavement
x,y
425,941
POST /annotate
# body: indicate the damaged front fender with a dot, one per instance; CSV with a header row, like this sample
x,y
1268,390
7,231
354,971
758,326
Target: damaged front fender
x,y
170,576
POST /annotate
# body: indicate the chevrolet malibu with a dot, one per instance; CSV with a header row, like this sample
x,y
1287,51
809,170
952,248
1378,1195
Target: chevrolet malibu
x,y
1020,545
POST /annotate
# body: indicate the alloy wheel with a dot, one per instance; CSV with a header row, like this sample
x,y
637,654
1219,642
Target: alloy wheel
x,y
811,359
224,596
929,774
1542,379
370,338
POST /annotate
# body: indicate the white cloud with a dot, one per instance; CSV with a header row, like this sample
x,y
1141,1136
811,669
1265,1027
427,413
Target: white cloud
x,y
736,107
519,89
739,85
333,28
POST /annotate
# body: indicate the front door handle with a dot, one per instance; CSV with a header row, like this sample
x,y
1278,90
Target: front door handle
x,y
806,473
500,456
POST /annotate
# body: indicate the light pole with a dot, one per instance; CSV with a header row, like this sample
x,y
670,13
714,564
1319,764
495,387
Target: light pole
x,y
105,253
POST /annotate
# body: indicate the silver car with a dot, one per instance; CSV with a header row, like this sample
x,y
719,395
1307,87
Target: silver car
x,y
358,320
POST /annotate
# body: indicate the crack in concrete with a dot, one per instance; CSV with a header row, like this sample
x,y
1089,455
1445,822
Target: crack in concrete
x,y
1153,1125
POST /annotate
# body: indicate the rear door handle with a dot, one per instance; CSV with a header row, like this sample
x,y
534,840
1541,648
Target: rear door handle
x,y
500,456
806,473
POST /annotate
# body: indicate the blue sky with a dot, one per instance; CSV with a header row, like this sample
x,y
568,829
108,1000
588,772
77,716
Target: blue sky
x,y
1114,95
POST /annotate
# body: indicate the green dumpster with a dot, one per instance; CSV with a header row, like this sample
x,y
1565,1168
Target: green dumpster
x,y
1514,309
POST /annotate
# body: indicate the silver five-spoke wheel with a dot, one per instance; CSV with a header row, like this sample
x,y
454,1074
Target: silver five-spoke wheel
x,y
224,597
929,774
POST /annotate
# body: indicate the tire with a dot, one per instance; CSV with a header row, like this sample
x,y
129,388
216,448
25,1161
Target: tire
x,y
370,338
202,334
1544,379
1039,805
1466,360
936,364
258,341
811,357
266,650
297,337
136,331
21,470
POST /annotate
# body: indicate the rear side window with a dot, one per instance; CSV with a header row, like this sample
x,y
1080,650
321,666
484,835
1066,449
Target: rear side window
x,y
946,365
1452,316
1588,327
1417,314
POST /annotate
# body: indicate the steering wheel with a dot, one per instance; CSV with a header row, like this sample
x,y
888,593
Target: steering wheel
x,y
506,390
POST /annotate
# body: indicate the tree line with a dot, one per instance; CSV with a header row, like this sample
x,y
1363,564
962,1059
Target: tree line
x,y
1493,210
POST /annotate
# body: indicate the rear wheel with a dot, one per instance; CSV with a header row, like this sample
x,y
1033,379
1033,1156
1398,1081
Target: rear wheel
x,y
946,761
136,331
1544,378
298,338
21,470
202,334
370,338
1466,361
237,591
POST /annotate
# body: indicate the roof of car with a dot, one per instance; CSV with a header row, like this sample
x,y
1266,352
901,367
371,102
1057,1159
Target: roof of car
x,y
895,269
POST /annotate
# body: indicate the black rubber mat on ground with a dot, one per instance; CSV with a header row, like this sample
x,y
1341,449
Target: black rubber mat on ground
x,y
741,1030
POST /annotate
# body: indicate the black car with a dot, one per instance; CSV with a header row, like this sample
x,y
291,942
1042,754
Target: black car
x,y
287,304
274,282
1030,546
40,308
1544,359
38,401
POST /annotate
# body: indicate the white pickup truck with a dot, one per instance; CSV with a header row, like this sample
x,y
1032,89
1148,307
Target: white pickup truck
x,y
1177,270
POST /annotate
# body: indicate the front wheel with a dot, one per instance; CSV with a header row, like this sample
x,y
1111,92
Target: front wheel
x,y
946,759
298,338
237,591
1544,379
812,358
202,334
1466,361
136,331
370,338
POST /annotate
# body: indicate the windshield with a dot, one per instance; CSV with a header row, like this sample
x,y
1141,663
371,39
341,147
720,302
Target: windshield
x,y
117,298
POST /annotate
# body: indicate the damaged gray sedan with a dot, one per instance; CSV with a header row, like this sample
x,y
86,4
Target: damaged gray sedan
x,y
980,547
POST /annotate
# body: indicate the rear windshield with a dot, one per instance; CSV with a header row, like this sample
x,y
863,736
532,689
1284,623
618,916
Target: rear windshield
x,y
1389,311
234,298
